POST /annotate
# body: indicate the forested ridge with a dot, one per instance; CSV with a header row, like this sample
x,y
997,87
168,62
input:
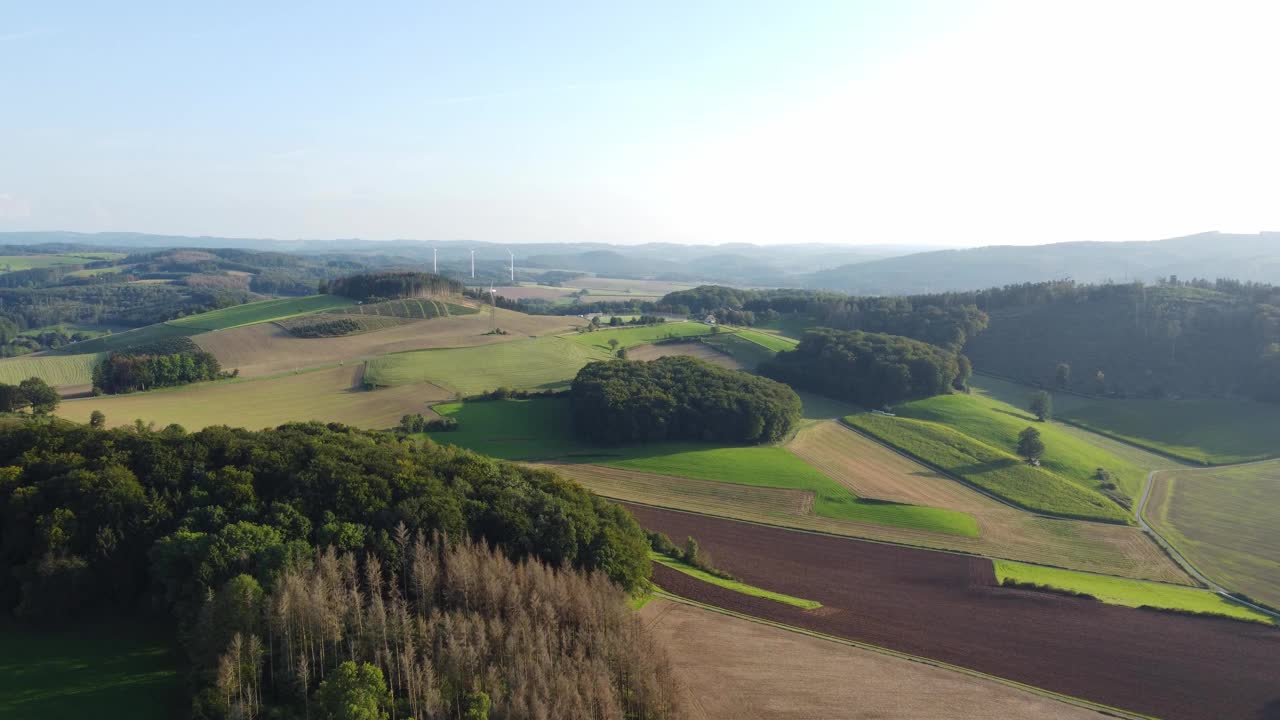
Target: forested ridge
x,y
869,369
285,553
391,285
679,398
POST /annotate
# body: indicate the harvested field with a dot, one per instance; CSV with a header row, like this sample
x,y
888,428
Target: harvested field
x,y
948,608
331,395
1004,532
533,292
698,350
537,364
623,286
734,668
266,349
1224,522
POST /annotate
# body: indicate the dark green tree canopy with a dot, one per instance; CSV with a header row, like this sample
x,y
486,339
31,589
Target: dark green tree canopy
x,y
391,285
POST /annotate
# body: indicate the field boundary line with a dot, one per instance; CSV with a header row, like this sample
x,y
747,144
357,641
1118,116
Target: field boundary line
x,y
940,664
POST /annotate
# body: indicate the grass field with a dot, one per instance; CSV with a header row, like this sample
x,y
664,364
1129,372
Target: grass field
x,y
734,585
324,395
632,336
997,424
749,354
541,429
413,308
989,468
124,340
117,669
1130,593
259,312
1208,432
769,341
1224,521
623,286
57,370
535,364
10,263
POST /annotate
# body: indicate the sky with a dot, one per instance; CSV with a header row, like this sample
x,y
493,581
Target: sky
x,y
844,121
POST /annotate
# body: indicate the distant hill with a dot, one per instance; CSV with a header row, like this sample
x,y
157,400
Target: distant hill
x,y
1207,255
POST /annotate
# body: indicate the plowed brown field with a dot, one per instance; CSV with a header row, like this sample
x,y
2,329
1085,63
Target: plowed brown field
x,y
733,668
947,607
689,349
267,349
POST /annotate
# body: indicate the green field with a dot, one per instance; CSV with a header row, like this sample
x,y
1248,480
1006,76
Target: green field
x,y
537,364
1208,432
416,308
734,585
997,424
749,354
989,468
117,669
10,263
57,370
1130,593
123,340
258,312
1224,522
776,343
541,429
633,336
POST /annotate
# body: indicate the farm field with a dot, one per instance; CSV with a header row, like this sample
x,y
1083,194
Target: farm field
x,y
623,286
991,469
949,608
535,364
997,424
1207,432
699,350
629,337
259,312
749,354
129,338
534,292
11,263
1126,592
266,349
325,395
734,585
413,308
769,341
1223,521
124,669
734,668
57,370
300,324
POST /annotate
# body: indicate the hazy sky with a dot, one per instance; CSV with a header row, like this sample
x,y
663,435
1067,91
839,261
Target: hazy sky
x,y
960,123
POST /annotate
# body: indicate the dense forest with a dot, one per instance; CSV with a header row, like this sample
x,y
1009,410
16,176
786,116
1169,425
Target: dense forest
x,y
679,398
312,565
391,285
870,369
167,363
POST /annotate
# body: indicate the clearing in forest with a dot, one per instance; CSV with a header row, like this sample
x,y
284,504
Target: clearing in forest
x,y
1223,521
331,395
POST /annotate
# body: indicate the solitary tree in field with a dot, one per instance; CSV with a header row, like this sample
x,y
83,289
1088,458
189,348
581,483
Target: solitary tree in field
x,y
1030,446
97,419
1042,405
1063,375
613,343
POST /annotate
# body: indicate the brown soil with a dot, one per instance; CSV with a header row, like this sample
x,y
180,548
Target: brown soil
x,y
732,668
687,349
947,607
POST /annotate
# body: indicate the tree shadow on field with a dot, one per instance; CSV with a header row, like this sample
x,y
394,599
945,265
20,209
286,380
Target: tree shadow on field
x,y
1016,414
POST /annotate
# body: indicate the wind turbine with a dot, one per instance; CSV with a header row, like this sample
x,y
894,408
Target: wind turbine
x,y
473,264
513,267
435,266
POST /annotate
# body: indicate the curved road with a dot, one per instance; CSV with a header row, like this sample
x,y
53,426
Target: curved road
x,y
1140,514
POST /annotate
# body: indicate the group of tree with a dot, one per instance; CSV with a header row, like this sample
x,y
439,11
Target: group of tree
x,y
175,361
285,553
418,423
391,285
869,369
321,326
33,393
679,398
13,341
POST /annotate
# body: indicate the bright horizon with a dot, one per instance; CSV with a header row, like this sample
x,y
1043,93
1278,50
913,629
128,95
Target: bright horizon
x,y
860,123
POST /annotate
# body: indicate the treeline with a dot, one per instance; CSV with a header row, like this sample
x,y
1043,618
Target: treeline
x,y
391,285
171,362
931,319
869,369
131,305
229,530
679,398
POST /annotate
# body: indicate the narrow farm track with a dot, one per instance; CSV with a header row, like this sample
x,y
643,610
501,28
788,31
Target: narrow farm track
x,y
947,608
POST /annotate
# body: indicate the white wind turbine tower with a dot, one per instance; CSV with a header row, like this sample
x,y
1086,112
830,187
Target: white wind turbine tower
x,y
513,268
473,264
435,265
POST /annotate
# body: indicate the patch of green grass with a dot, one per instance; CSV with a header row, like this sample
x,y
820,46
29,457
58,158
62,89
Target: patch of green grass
x,y
776,343
541,429
259,312
543,363
1207,432
749,354
118,669
633,336
997,424
11,263
1130,593
118,341
734,585
989,468
57,370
